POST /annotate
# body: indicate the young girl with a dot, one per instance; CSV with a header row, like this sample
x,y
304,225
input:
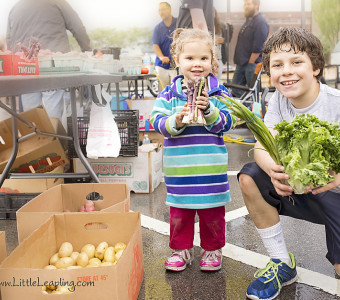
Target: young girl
x,y
195,157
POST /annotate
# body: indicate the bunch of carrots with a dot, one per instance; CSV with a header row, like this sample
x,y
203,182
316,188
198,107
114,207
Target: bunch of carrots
x,y
196,115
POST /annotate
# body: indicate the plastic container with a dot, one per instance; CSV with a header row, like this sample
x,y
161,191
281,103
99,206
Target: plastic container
x,y
146,139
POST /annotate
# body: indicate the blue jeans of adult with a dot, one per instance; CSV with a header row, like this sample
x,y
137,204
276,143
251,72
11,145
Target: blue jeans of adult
x,y
53,102
242,76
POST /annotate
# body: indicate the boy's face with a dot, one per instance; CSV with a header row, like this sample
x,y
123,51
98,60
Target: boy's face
x,y
292,75
194,60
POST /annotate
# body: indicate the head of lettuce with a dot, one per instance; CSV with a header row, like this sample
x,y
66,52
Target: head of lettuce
x,y
308,149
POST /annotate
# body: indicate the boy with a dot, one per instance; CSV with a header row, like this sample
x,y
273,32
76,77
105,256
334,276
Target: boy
x,y
293,58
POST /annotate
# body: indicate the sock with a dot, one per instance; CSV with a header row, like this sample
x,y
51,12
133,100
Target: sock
x,y
274,243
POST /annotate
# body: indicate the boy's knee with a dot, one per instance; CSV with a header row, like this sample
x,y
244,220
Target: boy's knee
x,y
246,182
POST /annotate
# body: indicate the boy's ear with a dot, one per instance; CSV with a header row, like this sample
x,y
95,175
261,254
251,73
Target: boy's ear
x,y
316,72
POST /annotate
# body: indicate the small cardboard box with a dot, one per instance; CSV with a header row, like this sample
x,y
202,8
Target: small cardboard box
x,y
11,64
3,251
36,185
142,174
121,281
111,198
40,153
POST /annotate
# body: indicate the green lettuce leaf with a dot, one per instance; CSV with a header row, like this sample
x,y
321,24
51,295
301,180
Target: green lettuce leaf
x,y
308,149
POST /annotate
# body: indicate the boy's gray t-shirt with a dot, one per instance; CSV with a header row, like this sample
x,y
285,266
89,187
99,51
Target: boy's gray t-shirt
x,y
326,107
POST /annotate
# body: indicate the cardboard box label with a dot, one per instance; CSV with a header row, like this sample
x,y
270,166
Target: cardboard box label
x,y
113,170
11,64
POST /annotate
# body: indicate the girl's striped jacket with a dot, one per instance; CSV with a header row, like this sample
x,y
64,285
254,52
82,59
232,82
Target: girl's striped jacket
x,y
195,158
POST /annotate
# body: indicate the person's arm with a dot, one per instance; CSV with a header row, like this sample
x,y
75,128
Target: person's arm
x,y
253,58
198,19
274,171
159,53
75,25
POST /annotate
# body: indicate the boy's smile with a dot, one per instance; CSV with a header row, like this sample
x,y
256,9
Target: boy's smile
x,y
194,60
293,75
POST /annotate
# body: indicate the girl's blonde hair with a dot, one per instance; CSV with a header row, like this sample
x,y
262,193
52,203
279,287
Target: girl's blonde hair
x,y
187,35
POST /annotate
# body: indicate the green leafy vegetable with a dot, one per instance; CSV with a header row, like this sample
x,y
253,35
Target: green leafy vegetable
x,y
308,149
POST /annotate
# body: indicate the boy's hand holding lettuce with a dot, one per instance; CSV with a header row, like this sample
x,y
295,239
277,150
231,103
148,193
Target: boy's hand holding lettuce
x,y
307,147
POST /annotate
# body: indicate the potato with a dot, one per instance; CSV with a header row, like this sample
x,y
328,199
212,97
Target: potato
x,y
109,255
74,256
50,267
89,249
65,250
100,250
82,259
64,262
120,246
106,264
95,261
65,289
118,254
92,266
50,288
73,267
54,258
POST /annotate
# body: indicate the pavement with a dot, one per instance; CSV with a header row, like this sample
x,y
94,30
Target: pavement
x,y
242,256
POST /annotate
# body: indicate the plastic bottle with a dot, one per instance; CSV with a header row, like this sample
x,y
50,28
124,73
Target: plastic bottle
x,y
146,139
147,62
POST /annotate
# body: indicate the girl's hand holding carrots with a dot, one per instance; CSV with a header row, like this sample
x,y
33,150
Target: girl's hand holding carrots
x,y
180,116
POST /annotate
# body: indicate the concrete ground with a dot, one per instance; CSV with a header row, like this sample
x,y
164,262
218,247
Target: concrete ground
x,y
243,253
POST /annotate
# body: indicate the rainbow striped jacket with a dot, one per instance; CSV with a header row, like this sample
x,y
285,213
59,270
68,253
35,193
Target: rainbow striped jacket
x,y
195,158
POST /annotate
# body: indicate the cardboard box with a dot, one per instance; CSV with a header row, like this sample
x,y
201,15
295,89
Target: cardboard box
x,y
142,174
36,185
40,153
3,251
121,281
154,136
11,64
111,198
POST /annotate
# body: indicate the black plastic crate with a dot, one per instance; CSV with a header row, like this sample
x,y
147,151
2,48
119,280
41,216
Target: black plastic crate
x,y
11,202
128,126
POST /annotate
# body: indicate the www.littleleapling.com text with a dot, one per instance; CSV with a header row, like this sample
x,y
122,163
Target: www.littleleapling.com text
x,y
31,282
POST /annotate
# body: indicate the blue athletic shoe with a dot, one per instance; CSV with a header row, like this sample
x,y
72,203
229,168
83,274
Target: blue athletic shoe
x,y
271,279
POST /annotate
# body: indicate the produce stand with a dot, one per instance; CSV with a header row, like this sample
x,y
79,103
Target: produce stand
x,y
12,86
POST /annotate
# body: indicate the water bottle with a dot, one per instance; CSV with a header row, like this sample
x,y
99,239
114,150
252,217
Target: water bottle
x,y
147,62
146,139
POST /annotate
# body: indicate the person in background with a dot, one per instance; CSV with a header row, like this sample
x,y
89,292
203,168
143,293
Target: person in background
x,y
222,38
3,44
195,157
161,40
48,21
196,14
248,51
293,58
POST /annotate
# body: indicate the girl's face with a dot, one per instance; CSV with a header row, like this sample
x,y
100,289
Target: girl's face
x,y
194,60
292,74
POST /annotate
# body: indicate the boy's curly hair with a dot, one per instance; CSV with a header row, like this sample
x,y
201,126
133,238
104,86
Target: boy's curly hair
x,y
300,40
185,35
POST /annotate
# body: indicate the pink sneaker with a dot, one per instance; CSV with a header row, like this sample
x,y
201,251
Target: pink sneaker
x,y
178,260
211,260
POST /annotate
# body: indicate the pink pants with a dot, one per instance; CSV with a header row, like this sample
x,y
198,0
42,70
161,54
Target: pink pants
x,y
212,228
